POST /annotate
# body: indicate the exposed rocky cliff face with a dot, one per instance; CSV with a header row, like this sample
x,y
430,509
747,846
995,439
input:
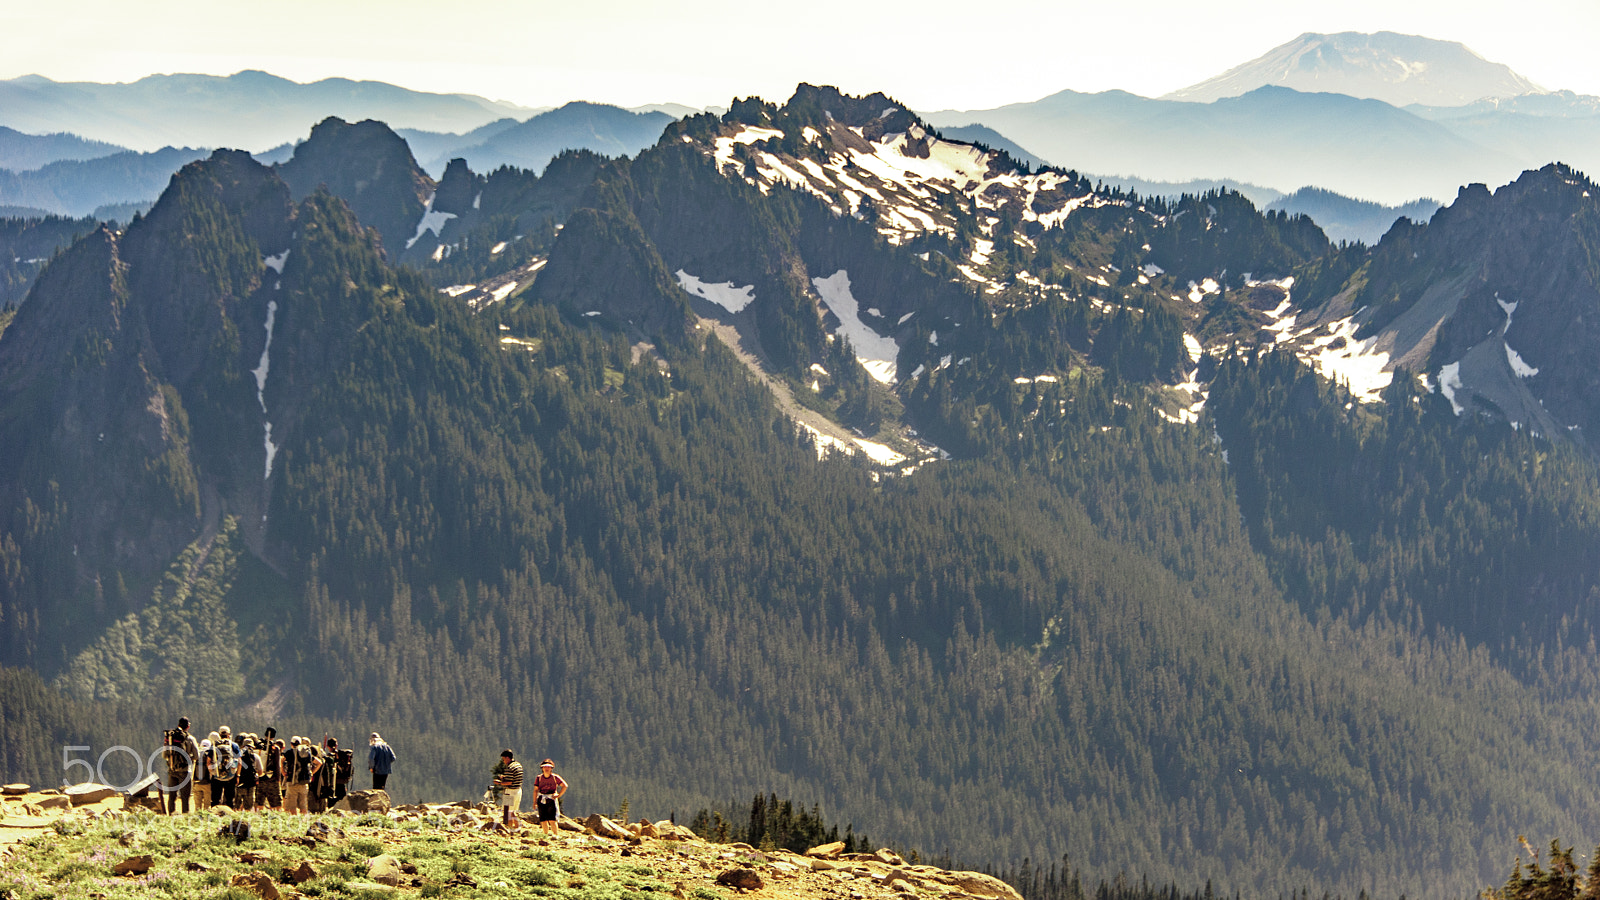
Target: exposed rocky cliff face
x,y
372,169
1495,302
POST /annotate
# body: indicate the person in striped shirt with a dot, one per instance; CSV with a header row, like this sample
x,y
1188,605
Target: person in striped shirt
x,y
508,781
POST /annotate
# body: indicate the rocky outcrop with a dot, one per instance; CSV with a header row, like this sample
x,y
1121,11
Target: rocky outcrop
x,y
364,802
257,883
369,167
80,794
743,879
134,865
385,869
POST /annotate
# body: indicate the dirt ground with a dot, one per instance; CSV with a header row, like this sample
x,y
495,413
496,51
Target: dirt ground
x,y
23,817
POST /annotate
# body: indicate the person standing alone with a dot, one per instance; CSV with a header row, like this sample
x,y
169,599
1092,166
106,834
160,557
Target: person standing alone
x,y
548,787
380,761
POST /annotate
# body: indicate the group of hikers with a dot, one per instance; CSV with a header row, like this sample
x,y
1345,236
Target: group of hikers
x,y
253,772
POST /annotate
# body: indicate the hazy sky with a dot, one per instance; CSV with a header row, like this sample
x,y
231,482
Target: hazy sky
x,y
928,54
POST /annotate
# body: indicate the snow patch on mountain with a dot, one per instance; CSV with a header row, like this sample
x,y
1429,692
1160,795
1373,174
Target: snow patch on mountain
x,y
726,295
1190,390
431,221
906,180
876,353
260,373
1338,356
1518,365
1449,383
881,454
1198,292
481,296
749,135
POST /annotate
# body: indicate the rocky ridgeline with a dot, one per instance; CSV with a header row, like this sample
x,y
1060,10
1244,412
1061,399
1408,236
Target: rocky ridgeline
x,y
275,863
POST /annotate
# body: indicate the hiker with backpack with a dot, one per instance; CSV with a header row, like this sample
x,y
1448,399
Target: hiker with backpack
x,y
224,768
250,765
202,777
303,764
340,768
270,785
380,761
181,753
548,788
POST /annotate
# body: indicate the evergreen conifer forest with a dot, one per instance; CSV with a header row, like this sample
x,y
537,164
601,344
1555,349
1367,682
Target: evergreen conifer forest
x,y
1302,642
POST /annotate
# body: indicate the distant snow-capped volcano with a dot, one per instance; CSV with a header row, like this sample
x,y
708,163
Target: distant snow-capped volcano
x,y
1399,69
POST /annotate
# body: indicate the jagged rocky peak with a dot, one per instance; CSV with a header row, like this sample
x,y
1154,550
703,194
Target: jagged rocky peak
x,y
875,114
1494,303
870,158
458,189
79,300
239,184
606,262
371,168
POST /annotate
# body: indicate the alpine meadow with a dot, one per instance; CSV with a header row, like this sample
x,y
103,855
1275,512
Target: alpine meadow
x,y
1006,516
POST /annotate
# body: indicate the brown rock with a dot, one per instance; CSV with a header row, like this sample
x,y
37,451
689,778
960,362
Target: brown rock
x,y
143,785
604,827
256,883
320,832
743,879
146,802
365,802
299,874
385,869
55,801
826,851
888,857
134,865
15,790
981,885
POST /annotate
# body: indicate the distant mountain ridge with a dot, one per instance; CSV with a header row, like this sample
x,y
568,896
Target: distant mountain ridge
x,y
1272,136
249,110
79,187
1399,69
531,144
1383,117
21,152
